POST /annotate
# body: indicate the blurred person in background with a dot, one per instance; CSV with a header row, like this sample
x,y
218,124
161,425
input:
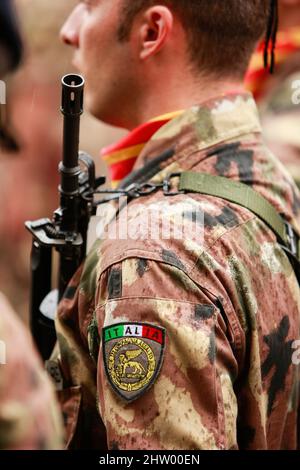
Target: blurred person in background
x,y
278,95
29,418
29,183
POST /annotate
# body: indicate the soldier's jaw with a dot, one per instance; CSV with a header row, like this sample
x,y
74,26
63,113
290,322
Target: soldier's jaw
x,y
75,63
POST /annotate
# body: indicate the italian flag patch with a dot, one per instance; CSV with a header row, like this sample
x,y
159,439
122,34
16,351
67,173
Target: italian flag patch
x,y
132,355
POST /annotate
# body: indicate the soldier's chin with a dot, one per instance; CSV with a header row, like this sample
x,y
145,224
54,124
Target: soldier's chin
x,y
100,114
90,104
100,110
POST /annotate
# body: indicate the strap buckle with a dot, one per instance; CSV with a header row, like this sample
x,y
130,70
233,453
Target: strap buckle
x,y
292,239
136,190
167,189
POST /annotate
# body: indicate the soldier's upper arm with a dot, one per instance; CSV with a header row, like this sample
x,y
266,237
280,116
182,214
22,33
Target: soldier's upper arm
x,y
165,365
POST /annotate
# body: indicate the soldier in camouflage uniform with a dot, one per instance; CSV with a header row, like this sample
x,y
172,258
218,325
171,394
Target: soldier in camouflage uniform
x,y
278,95
182,342
29,416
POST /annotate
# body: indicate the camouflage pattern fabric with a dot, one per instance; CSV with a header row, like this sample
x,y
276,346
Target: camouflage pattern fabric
x,y
280,113
29,416
187,343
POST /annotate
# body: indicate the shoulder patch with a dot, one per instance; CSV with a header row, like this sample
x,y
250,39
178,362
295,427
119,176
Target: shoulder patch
x,y
133,355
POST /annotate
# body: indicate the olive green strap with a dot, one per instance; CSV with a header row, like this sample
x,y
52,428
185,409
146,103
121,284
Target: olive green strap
x,y
238,193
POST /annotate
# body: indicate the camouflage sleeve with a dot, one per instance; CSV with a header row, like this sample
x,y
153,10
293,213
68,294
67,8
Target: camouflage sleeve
x,y
165,365
29,416
74,371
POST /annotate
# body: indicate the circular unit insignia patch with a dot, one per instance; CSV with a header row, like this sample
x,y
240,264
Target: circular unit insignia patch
x,y
132,354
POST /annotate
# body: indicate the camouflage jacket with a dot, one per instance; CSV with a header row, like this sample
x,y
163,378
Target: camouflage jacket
x,y
280,113
186,342
29,415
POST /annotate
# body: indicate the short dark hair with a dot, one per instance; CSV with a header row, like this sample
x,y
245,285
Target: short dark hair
x,y
222,34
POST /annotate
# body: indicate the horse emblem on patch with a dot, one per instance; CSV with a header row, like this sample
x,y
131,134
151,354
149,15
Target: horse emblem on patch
x,y
133,354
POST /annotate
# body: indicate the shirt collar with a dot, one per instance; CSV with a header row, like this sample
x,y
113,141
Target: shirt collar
x,y
121,156
223,118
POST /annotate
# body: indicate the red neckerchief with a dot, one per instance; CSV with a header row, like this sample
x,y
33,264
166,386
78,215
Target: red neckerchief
x,y
121,156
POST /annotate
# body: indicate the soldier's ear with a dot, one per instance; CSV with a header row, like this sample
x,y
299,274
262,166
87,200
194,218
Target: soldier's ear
x,y
155,30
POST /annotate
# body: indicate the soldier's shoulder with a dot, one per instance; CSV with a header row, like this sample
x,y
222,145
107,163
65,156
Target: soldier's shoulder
x,y
174,230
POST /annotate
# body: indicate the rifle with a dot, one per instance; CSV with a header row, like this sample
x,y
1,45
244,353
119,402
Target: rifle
x,y
67,231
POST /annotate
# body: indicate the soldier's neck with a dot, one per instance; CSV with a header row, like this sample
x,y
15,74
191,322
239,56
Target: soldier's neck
x,y
162,100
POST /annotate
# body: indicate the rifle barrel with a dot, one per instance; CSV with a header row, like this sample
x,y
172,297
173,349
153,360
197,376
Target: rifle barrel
x,y
71,108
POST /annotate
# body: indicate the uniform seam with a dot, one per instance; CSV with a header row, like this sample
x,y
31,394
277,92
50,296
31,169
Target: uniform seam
x,y
243,131
138,297
191,267
212,245
232,320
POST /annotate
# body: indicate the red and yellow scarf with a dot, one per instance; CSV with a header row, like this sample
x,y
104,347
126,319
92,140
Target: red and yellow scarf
x,y
287,43
121,156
